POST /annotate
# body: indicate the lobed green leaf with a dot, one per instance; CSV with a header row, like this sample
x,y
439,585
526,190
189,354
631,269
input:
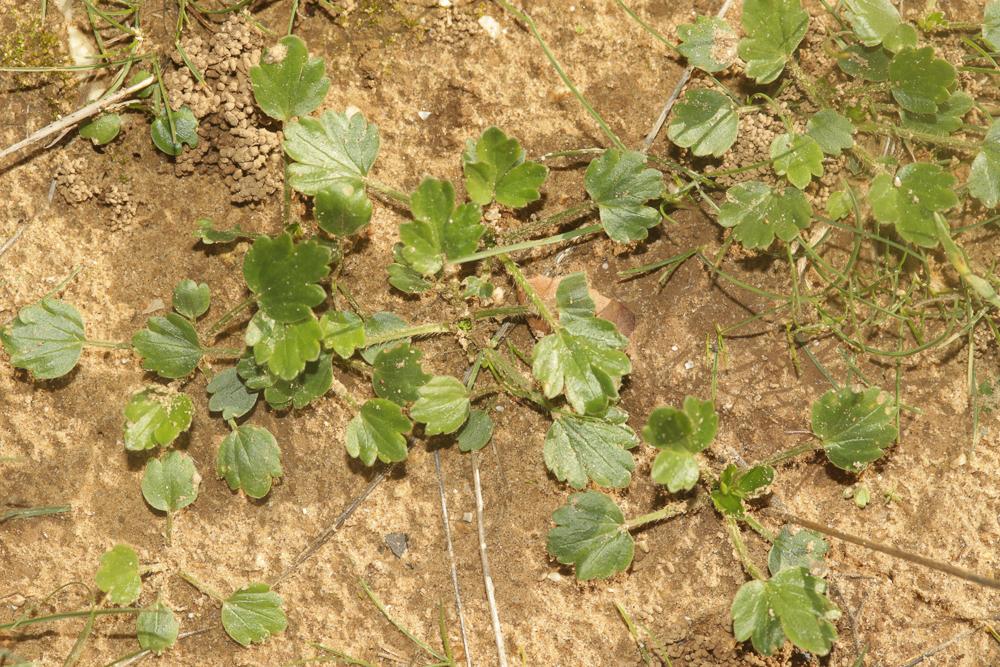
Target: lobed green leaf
x,y
442,405
156,628
909,200
797,156
170,483
230,395
708,43
45,338
579,450
397,374
495,168
252,614
249,459
757,214
984,178
919,81
378,431
590,534
679,435
705,121
855,427
118,575
169,346
287,82
283,276
191,299
774,29
620,185
155,418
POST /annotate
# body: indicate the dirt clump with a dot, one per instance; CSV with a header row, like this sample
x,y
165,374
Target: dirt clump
x,y
234,139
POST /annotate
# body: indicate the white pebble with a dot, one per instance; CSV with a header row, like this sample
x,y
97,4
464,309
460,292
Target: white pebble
x,y
351,110
444,3
424,115
688,365
490,25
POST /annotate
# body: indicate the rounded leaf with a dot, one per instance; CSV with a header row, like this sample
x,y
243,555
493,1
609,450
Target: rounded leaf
x,y
154,418
855,427
118,575
249,459
103,129
170,483
45,338
156,628
191,299
378,431
590,534
442,405
252,614
704,121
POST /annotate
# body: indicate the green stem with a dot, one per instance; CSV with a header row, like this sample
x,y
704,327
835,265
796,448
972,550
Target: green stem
x,y
576,152
223,352
741,549
527,245
388,191
790,453
922,137
502,312
957,257
562,74
230,314
671,510
33,512
399,626
532,294
291,18
107,345
648,28
759,528
69,614
408,332
202,588
554,219
653,266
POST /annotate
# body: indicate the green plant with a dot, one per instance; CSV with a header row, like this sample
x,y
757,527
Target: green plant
x,y
888,209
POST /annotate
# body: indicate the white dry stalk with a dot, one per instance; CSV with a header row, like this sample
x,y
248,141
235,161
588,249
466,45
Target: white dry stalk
x,y
76,117
487,577
451,557
685,77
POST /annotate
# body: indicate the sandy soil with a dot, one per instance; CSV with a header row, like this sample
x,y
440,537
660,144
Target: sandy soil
x,y
61,442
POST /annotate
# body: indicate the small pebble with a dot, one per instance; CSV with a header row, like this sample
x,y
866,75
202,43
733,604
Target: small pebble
x,y
397,543
424,115
467,517
688,365
490,25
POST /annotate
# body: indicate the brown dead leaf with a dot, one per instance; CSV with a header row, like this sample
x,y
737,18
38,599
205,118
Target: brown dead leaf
x,y
611,310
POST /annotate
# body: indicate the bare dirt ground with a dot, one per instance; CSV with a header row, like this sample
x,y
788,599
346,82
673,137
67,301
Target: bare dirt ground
x,y
60,442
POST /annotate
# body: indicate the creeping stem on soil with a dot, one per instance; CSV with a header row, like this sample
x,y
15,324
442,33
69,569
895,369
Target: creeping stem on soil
x,y
528,245
202,588
532,294
917,559
741,549
388,191
68,614
228,316
671,510
528,21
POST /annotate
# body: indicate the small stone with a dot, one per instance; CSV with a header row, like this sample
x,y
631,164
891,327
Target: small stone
x,y
490,25
554,577
397,543
424,115
467,517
